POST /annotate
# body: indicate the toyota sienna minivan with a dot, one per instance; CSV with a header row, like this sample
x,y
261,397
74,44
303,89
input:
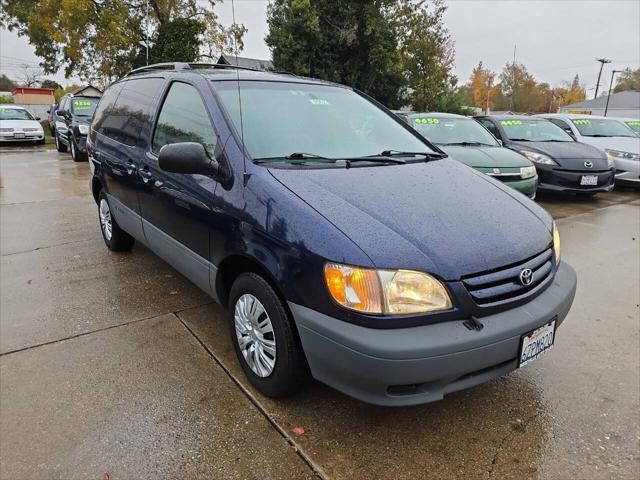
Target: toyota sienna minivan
x,y
345,246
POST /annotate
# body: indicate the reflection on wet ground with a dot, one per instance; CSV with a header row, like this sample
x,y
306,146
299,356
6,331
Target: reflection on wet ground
x,y
146,384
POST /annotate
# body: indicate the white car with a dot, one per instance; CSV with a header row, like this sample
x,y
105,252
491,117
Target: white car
x,y
616,139
632,123
18,125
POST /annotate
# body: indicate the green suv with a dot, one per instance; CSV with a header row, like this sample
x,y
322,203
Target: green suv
x,y
469,142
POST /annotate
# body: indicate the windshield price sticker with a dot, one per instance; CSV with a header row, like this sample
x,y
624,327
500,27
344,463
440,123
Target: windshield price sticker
x,y
634,123
581,122
509,123
429,121
82,104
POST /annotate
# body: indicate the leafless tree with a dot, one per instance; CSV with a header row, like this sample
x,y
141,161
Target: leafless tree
x,y
31,76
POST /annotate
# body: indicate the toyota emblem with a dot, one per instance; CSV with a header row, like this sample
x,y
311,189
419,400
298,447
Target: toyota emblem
x,y
588,164
526,276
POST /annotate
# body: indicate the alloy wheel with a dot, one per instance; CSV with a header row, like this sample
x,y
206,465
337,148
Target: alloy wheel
x,y
105,219
255,335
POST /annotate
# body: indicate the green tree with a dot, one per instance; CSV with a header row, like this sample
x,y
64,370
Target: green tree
x,y
98,40
177,40
6,99
50,84
426,52
628,80
6,84
454,99
520,90
353,43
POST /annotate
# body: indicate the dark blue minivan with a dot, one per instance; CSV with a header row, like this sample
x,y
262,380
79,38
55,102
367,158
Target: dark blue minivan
x,y
345,246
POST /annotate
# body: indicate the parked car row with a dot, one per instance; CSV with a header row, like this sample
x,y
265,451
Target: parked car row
x,y
562,153
346,245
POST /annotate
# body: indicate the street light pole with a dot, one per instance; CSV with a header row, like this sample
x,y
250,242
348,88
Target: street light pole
x,y
602,62
606,107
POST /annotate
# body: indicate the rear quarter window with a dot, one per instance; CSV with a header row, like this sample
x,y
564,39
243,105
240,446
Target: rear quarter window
x,y
122,118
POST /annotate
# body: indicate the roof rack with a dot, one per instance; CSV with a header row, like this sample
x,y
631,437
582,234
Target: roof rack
x,y
186,66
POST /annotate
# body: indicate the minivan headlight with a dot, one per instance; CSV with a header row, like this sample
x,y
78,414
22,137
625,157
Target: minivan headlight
x,y
527,172
538,157
556,243
386,292
83,129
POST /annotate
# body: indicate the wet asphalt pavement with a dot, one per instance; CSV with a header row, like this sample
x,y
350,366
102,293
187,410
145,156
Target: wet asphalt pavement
x,y
115,363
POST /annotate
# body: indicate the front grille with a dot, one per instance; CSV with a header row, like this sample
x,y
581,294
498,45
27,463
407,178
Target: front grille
x,y
503,285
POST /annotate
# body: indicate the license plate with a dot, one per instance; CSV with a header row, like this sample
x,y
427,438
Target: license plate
x,y
536,343
18,135
589,180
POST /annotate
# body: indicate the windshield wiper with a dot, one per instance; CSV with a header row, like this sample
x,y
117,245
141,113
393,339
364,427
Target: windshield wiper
x,y
469,144
296,156
519,139
561,141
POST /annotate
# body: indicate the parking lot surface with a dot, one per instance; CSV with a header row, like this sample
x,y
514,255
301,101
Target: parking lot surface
x,y
116,364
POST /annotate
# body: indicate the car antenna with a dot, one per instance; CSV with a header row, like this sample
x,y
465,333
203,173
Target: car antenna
x,y
245,177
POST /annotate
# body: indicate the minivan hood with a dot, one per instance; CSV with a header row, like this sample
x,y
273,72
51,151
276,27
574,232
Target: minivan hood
x,y
566,154
486,157
622,144
440,216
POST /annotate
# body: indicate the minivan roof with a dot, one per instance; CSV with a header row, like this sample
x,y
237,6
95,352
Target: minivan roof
x,y
223,72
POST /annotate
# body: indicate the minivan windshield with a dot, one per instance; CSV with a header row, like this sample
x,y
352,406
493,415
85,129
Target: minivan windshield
x,y
453,131
280,118
599,127
534,130
84,107
15,114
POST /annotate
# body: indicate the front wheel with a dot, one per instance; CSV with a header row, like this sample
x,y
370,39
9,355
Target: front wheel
x,y
114,237
264,338
61,147
75,154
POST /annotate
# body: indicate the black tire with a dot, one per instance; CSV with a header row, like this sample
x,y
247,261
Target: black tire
x,y
290,372
75,154
61,147
119,241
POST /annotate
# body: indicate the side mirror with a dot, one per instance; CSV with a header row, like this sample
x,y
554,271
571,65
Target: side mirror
x,y
38,118
187,157
61,113
500,142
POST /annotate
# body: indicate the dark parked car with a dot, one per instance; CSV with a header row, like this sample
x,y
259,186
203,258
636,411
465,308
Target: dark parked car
x,y
344,244
52,118
563,164
72,125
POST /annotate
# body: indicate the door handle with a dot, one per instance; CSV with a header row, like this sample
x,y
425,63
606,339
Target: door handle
x,y
145,174
131,167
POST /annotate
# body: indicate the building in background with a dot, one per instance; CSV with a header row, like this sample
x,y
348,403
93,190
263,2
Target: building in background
x,y
87,91
622,104
35,100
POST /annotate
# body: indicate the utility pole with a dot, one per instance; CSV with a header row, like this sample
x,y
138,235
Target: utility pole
x,y
606,107
602,62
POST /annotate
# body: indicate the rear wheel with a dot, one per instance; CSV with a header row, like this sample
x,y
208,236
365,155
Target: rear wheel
x,y
114,237
264,338
61,147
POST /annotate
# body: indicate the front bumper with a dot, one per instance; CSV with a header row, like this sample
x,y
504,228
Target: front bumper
x,y
409,366
557,180
627,172
28,137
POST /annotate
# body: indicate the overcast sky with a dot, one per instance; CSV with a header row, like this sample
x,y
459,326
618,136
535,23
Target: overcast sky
x,y
555,39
